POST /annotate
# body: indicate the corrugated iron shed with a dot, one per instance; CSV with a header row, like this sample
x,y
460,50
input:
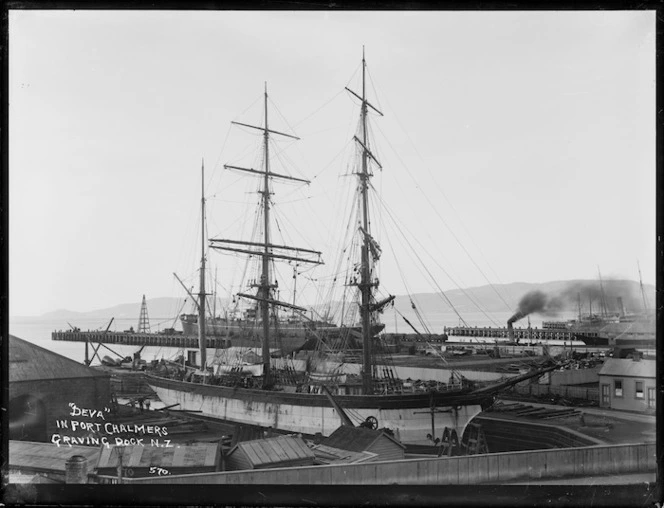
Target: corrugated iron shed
x,y
29,362
356,439
199,455
47,456
271,452
628,368
330,455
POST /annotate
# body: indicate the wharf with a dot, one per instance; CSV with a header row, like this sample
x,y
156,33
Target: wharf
x,y
138,339
449,332
526,334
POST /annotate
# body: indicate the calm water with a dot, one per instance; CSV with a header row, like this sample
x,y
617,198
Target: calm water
x,y
38,331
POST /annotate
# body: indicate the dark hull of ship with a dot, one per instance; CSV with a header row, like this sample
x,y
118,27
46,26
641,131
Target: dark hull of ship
x,y
410,416
288,337
591,339
643,342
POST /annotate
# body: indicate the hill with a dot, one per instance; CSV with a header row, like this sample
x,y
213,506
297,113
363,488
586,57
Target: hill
x,y
560,295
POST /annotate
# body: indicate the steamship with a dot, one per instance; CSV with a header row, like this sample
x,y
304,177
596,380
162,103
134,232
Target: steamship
x,y
289,334
596,331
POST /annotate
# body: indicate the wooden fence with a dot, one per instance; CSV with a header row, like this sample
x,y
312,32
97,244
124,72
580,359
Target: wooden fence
x,y
466,470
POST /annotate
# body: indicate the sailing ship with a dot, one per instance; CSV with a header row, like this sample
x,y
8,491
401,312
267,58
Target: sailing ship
x,y
318,394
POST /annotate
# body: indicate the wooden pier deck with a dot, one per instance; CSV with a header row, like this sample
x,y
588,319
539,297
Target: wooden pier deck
x,y
138,339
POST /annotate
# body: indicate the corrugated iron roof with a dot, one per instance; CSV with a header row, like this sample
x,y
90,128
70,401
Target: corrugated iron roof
x,y
274,450
47,456
628,368
193,455
330,455
356,439
29,362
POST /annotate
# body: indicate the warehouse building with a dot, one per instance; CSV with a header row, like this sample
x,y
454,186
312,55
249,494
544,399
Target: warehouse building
x,y
43,384
628,384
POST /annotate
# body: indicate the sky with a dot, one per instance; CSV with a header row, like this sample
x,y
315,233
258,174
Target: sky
x,y
515,146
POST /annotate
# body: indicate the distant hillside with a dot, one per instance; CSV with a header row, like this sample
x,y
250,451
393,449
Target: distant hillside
x,y
496,298
164,307
561,296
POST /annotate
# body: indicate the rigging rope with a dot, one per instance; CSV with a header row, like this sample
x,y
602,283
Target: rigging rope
x,y
435,209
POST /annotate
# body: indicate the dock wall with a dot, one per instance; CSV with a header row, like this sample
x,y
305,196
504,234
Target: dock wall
x,y
467,470
568,392
506,434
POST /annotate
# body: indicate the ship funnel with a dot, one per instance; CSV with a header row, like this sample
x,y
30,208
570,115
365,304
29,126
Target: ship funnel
x,y
510,329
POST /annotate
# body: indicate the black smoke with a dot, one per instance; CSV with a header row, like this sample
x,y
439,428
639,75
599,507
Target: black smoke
x,y
537,302
588,292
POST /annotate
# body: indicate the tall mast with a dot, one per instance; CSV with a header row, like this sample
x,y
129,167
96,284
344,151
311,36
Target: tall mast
x,y
602,300
643,292
369,245
214,300
264,247
294,285
201,293
264,286
365,280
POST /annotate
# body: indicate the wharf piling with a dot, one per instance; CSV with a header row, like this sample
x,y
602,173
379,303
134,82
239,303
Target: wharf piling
x,y
139,339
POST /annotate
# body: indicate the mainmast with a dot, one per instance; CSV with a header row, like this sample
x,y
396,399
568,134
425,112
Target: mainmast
x,y
264,286
265,249
365,285
202,343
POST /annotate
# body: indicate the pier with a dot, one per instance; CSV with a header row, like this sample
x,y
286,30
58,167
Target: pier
x,y
139,339
535,334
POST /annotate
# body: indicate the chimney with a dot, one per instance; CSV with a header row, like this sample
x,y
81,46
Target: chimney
x,y
621,306
76,469
510,330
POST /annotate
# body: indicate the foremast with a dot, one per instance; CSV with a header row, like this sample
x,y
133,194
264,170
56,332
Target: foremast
x,y
202,341
266,249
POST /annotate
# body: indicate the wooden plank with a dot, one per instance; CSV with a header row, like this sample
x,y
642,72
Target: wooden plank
x,y
274,450
254,457
301,448
178,457
211,456
286,448
135,456
292,448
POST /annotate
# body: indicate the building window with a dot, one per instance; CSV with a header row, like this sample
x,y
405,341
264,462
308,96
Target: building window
x,y
639,390
618,388
651,398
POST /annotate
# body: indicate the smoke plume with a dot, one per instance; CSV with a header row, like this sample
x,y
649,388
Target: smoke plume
x,y
537,302
588,292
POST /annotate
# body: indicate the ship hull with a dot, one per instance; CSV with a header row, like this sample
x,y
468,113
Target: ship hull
x,y
592,340
409,415
286,337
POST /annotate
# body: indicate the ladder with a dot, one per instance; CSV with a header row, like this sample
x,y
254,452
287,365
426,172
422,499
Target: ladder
x,y
476,440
